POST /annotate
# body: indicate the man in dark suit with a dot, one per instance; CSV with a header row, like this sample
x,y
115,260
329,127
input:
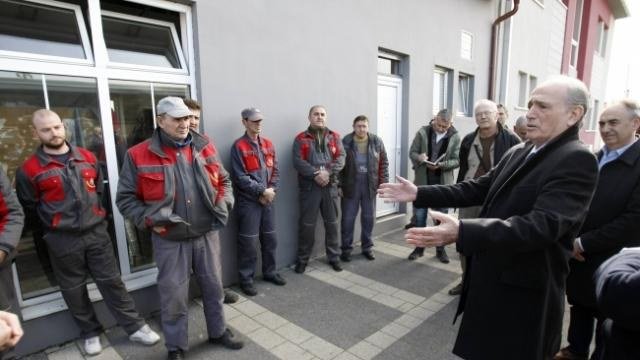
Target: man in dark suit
x,y
618,294
613,222
533,204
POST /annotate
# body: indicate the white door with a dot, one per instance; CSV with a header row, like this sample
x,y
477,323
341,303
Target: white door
x,y
389,126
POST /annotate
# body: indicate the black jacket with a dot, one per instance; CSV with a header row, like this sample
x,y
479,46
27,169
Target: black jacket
x,y
518,249
613,222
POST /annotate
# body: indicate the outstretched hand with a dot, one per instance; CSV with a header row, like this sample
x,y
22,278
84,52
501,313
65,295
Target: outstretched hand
x,y
445,233
402,191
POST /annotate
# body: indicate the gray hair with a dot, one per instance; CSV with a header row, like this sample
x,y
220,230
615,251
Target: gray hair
x,y
632,107
577,91
521,121
445,114
488,102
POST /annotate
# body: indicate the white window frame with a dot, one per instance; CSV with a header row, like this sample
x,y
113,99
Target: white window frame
x,y
447,94
470,91
575,37
100,70
464,33
84,38
174,35
530,82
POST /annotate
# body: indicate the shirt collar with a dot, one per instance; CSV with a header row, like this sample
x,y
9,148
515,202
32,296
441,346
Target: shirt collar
x,y
617,152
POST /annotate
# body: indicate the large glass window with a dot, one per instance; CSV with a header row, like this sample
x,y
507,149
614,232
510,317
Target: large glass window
x,y
75,100
132,105
39,29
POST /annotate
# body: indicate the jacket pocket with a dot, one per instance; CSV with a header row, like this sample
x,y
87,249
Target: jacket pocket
x,y
151,186
89,179
51,188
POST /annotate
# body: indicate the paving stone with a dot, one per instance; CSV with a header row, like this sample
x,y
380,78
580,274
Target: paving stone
x,y
338,282
420,313
108,353
406,307
408,321
270,320
388,300
346,356
294,333
289,351
432,305
362,291
69,352
409,297
266,338
321,348
365,350
249,308
382,288
244,324
396,330
381,339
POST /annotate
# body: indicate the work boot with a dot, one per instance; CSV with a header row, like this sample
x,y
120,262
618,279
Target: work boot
x,y
441,254
345,256
335,265
175,355
248,289
227,340
369,255
276,279
300,267
230,297
456,290
416,253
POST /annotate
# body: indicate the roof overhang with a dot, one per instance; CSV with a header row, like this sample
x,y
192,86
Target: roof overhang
x,y
619,8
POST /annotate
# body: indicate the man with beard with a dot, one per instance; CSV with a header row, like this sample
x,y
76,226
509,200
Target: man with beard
x,y
61,184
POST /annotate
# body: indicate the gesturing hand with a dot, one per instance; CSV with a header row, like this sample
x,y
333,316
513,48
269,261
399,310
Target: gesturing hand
x,y
442,234
402,191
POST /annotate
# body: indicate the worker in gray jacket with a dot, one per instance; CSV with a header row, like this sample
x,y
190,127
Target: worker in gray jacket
x,y
174,185
11,223
366,167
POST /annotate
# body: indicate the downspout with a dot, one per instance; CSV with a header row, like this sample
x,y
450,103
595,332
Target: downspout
x,y
494,40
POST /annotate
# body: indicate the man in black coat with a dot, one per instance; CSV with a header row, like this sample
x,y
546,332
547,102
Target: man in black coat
x,y
618,294
533,205
613,222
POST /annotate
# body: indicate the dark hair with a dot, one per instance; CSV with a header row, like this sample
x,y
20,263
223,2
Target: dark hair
x,y
315,107
360,118
445,114
192,104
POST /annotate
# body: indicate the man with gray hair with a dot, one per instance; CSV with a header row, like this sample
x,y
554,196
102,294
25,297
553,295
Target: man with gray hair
x,y
480,151
612,223
175,186
534,202
520,128
434,155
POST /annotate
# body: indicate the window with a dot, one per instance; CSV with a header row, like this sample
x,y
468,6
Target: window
x,y
575,37
465,94
442,96
593,118
51,31
388,64
526,84
603,33
466,45
140,41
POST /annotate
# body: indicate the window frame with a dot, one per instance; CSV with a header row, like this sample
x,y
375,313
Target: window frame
x,y
470,79
183,69
447,76
82,29
464,33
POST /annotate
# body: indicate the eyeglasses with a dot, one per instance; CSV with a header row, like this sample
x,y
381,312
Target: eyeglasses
x,y
484,113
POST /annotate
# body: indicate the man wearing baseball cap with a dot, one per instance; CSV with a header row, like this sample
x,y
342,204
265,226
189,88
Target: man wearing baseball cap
x,y
175,186
254,171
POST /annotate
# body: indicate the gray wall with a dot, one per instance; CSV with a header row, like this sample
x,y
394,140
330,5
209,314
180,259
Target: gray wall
x,y
285,55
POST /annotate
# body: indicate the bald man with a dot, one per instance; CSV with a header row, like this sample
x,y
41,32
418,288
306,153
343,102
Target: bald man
x,y
61,184
520,127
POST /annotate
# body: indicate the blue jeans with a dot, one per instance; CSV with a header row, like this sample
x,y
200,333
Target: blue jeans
x,y
421,221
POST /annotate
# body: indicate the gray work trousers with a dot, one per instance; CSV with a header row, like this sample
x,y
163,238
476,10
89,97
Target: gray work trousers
x,y
175,261
255,224
361,200
74,256
313,200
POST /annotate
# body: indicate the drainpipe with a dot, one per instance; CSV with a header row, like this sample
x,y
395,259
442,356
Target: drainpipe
x,y
494,40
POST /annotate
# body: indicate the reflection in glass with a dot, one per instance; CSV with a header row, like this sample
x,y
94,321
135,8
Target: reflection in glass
x,y
134,42
39,29
132,116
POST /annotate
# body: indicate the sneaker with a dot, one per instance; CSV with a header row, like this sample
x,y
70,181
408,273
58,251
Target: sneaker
x,y
227,340
345,256
300,267
175,355
456,290
248,289
230,297
335,265
92,345
566,354
441,254
416,253
145,336
369,255
276,279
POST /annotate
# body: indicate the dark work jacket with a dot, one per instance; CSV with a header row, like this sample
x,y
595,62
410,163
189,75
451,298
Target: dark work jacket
x,y
518,249
378,165
613,222
618,294
504,141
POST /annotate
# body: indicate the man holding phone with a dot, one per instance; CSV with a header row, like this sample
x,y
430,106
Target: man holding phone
x,y
434,156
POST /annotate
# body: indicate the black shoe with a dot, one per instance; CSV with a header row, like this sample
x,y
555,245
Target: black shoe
x,y
409,226
416,253
335,265
227,340
300,267
175,355
456,290
441,254
275,279
230,297
369,255
345,256
248,289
